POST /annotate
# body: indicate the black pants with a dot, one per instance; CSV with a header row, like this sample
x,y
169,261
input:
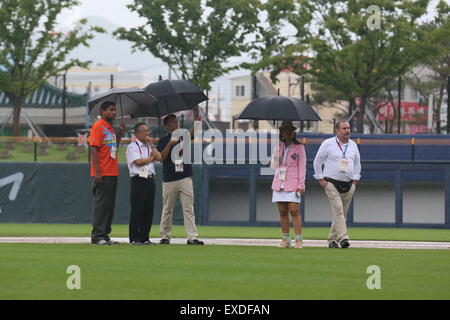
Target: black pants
x,y
142,199
103,202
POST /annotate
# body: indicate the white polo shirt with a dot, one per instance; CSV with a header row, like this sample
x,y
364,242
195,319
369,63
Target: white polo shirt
x,y
330,154
137,150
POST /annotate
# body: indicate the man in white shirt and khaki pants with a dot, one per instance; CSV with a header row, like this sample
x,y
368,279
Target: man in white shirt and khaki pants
x,y
337,166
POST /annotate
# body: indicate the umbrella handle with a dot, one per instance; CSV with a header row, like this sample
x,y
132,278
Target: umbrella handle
x,y
121,107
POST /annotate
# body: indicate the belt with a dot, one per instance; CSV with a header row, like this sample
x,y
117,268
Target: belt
x,y
150,176
336,181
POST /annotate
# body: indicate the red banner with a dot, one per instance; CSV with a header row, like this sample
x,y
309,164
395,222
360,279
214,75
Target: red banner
x,y
410,111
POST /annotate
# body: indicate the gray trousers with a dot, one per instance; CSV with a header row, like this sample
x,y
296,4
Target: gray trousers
x,y
103,202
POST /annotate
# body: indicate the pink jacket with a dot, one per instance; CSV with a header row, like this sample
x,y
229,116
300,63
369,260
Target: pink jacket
x,y
296,167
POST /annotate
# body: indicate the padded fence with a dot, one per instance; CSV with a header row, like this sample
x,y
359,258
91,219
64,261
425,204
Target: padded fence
x,y
61,193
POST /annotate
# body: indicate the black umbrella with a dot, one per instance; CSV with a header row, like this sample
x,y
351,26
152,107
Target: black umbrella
x,y
173,96
128,101
279,108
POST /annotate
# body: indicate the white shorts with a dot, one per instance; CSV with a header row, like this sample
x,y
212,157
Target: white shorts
x,y
285,196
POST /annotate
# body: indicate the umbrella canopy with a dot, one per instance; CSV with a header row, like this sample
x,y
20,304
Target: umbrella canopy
x,y
279,108
128,101
173,96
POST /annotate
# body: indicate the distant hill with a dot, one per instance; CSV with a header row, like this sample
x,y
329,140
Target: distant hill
x,y
107,50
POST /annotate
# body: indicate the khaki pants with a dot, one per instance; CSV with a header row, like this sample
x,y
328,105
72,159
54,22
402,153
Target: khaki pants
x,y
339,202
171,191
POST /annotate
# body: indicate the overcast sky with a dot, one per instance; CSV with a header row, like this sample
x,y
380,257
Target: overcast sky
x,y
117,13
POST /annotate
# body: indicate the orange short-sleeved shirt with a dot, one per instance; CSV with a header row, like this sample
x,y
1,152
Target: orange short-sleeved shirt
x,y
102,136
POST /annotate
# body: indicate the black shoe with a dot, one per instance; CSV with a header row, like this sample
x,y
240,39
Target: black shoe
x,y
136,243
149,243
333,245
164,241
345,244
195,242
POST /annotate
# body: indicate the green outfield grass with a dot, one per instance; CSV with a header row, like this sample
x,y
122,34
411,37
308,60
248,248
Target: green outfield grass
x,y
38,271
83,230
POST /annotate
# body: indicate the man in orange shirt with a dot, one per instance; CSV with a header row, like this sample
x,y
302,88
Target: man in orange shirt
x,y
104,172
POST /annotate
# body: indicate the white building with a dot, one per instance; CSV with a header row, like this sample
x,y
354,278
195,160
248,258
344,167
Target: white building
x,y
100,78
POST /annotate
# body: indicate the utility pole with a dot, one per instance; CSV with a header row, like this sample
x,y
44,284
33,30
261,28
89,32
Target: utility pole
x,y
254,96
64,102
399,111
207,105
302,95
219,116
448,104
350,112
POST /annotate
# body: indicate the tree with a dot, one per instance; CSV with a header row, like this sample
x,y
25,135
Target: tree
x,y
31,50
432,75
196,38
358,46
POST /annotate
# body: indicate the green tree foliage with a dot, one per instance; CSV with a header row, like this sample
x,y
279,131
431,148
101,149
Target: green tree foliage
x,y
30,49
354,50
432,75
194,37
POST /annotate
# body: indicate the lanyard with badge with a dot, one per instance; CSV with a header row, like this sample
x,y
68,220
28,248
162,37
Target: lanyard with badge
x,y
144,170
179,167
283,168
114,147
343,166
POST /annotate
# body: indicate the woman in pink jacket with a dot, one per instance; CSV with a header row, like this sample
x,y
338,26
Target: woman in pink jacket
x,y
289,163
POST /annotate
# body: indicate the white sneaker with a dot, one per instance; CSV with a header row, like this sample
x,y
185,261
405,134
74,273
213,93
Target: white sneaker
x,y
298,244
101,242
285,243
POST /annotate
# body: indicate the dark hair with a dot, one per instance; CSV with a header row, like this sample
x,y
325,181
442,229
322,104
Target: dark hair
x,y
168,118
136,127
105,105
338,124
294,140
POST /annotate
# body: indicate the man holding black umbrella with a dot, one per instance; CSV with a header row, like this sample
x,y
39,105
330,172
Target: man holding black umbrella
x,y
104,172
177,183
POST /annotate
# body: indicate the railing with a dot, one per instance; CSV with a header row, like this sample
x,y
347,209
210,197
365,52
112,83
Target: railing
x,y
35,149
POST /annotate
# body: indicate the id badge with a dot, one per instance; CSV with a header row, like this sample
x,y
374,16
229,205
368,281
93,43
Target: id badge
x,y
179,165
143,172
113,152
344,165
282,173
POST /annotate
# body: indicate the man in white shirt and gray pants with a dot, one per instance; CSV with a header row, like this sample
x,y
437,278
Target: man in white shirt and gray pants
x,y
337,166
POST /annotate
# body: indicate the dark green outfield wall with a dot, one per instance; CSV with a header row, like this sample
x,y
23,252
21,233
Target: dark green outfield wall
x,y
61,193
